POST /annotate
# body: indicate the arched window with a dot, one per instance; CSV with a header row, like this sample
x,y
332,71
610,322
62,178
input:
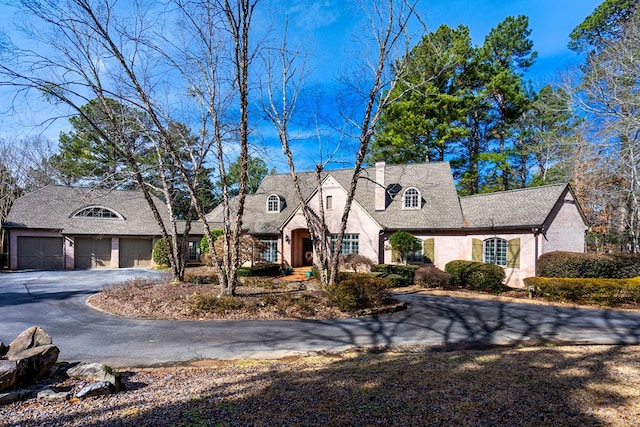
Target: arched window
x,y
97,212
273,203
495,251
411,199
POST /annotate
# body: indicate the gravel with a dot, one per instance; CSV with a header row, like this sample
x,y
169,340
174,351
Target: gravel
x,y
404,386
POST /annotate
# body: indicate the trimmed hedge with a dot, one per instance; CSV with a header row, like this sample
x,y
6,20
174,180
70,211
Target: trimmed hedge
x,y
262,270
431,277
406,272
605,292
477,276
588,265
358,292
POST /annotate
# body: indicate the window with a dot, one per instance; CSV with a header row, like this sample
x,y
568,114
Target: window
x,y
411,199
495,251
192,251
415,256
349,243
329,203
271,250
97,212
273,203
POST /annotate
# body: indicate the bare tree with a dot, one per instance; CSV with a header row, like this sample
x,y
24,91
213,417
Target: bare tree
x,y
385,30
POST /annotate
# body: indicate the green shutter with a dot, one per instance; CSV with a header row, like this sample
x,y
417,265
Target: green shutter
x,y
513,253
395,256
476,250
428,250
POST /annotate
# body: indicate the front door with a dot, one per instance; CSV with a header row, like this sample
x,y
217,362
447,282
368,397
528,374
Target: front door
x,y
307,252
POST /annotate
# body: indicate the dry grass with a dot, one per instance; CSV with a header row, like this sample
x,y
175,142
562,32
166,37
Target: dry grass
x,y
534,386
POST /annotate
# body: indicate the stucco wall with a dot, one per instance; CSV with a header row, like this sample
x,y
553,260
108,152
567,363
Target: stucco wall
x,y
566,230
359,221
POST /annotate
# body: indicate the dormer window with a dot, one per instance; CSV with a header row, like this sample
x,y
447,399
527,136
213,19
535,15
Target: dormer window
x,y
273,203
97,212
411,199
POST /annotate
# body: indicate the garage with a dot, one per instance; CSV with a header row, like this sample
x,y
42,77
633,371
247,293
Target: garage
x,y
92,253
135,253
40,253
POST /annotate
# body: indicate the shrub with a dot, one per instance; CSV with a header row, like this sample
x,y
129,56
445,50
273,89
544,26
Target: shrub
x,y
201,279
160,253
3,261
261,270
605,292
476,275
407,272
574,264
431,277
204,243
358,292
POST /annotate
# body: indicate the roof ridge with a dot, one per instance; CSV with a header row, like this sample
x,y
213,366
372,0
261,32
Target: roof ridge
x,y
514,190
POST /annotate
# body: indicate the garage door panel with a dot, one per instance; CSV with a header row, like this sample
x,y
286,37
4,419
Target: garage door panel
x,y
40,253
92,253
135,253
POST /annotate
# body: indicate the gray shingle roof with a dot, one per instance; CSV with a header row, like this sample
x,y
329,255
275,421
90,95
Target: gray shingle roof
x,y
528,207
440,208
52,207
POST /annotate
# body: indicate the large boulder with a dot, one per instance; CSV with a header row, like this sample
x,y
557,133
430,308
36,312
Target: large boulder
x,y
96,389
35,336
8,374
34,363
97,372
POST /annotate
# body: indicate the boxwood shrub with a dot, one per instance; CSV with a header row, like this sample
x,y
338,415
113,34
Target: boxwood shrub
x,y
261,270
588,265
406,272
431,277
605,292
476,275
357,292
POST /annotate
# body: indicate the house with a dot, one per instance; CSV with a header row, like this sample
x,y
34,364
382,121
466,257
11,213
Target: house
x,y
60,227
511,228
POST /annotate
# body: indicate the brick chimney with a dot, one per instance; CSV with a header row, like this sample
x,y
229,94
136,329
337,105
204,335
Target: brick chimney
x,y
381,189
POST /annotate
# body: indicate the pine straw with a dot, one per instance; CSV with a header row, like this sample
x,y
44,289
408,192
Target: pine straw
x,y
404,386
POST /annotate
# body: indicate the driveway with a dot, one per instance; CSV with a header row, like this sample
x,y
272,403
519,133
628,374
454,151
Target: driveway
x,y
55,301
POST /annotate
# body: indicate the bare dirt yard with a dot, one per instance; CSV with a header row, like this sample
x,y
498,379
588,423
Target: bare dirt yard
x,y
405,386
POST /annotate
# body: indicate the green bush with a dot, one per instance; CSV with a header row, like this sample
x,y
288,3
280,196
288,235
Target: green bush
x,y
431,277
358,292
605,292
3,260
204,243
407,272
261,270
160,254
588,265
477,276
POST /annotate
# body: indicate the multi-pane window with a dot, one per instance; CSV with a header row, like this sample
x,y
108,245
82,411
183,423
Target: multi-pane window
x,y
411,198
329,203
273,203
350,243
415,256
495,251
192,251
271,250
97,212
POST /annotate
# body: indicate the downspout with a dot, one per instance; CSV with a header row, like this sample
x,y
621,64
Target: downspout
x,y
536,234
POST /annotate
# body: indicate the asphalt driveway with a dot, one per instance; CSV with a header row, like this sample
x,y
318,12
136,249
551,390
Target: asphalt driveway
x,y
55,301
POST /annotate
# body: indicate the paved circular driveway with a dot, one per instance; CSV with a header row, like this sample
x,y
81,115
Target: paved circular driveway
x,y
55,301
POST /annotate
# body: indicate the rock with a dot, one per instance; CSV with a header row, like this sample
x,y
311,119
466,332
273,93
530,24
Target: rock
x,y
13,396
97,372
35,336
34,363
3,349
96,389
51,395
8,374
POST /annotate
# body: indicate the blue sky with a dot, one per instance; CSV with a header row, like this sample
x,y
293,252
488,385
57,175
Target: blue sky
x,y
325,27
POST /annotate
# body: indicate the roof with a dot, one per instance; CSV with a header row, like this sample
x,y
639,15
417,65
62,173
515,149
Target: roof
x,y
439,209
527,207
53,207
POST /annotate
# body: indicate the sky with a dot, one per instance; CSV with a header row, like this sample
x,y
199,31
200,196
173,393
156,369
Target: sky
x,y
324,28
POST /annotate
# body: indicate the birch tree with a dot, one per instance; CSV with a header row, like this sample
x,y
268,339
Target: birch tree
x,y
383,37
